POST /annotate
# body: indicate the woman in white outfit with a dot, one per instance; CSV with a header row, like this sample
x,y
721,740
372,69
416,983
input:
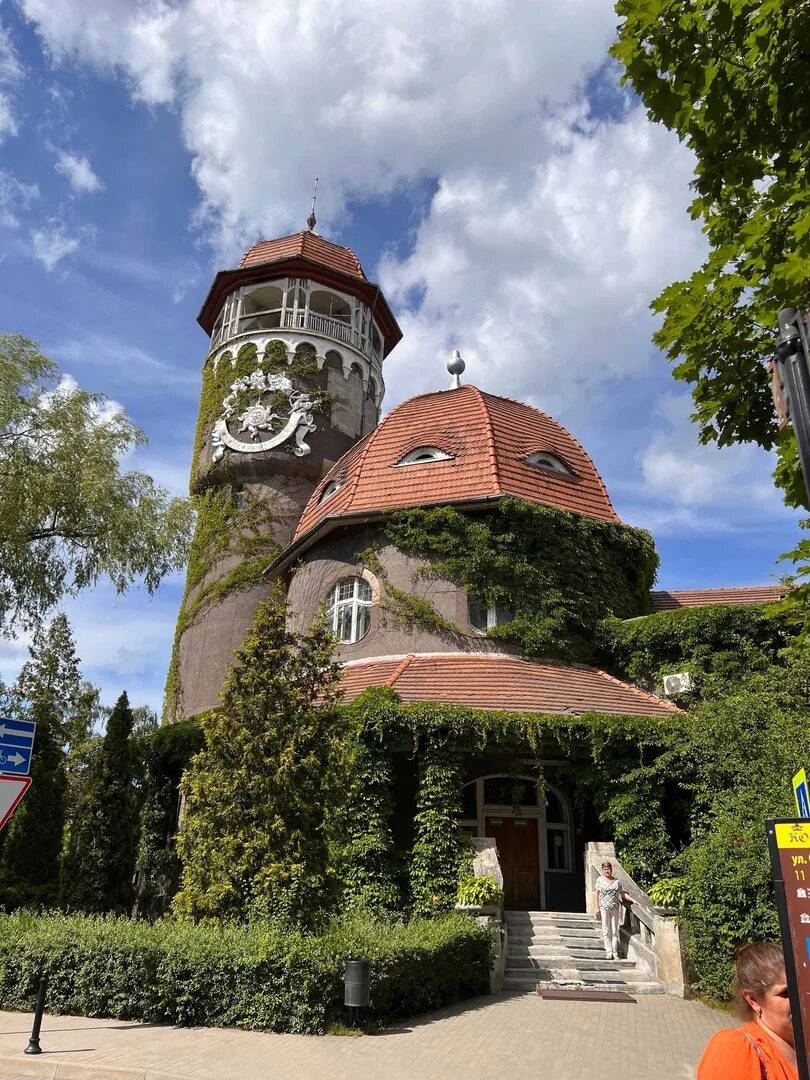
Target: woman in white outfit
x,y
608,903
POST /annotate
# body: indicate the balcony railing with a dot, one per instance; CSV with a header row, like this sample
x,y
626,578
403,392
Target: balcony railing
x,y
299,320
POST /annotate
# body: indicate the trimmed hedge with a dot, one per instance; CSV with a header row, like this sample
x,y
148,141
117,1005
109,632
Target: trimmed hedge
x,y
253,976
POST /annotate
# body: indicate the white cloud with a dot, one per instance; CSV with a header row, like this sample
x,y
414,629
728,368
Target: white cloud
x,y
370,95
15,198
685,487
78,171
55,240
11,74
542,275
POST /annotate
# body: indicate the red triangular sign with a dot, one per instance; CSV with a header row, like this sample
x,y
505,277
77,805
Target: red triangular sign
x,y
12,789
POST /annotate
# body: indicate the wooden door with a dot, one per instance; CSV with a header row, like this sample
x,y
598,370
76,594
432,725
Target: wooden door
x,y
519,856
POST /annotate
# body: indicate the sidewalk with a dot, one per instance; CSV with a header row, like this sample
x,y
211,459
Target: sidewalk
x,y
503,1037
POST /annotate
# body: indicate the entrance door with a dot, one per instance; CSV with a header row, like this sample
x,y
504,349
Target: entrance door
x,y
519,856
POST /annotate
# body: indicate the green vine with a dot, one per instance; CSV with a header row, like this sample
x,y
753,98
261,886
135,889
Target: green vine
x,y
716,644
437,849
302,368
223,529
559,573
404,607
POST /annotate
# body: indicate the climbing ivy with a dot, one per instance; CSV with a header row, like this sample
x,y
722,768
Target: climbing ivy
x,y
559,573
437,850
217,379
717,644
223,528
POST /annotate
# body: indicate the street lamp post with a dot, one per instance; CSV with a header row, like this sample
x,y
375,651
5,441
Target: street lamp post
x,y
793,380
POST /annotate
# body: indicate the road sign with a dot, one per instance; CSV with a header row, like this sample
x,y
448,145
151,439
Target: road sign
x,y
16,744
12,789
801,794
789,844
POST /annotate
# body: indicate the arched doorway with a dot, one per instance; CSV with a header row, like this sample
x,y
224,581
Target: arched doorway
x,y
531,825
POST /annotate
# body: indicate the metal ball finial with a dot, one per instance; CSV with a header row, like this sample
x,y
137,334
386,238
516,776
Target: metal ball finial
x,y
312,221
456,367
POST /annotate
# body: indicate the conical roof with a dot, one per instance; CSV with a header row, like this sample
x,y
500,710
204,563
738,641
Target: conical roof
x,y
306,245
487,441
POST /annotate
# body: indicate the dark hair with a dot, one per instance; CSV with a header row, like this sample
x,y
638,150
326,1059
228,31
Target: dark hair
x,y
759,966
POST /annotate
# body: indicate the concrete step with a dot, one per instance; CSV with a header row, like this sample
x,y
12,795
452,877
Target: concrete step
x,y
583,940
557,948
608,978
576,963
529,986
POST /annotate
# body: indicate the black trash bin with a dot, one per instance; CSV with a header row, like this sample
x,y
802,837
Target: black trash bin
x,y
356,985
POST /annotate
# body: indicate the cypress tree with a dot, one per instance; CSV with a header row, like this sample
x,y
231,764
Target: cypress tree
x,y
100,857
263,791
49,691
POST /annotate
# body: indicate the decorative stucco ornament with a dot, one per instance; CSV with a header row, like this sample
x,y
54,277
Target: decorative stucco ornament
x,y
266,424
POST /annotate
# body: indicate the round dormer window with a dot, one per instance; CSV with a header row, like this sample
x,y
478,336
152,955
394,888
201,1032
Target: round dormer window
x,y
424,454
542,460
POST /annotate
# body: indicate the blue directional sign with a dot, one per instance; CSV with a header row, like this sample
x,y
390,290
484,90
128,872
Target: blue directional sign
x,y
801,794
16,745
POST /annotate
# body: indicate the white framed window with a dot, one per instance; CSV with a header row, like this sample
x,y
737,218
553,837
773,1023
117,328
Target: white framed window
x,y
349,612
483,615
424,454
542,460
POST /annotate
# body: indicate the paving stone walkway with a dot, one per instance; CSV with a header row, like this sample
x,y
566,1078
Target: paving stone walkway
x,y
504,1037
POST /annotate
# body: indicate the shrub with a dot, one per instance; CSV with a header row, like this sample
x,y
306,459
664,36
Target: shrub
x,y
478,891
250,976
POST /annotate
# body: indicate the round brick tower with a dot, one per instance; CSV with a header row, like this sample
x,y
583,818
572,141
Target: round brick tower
x,y
292,380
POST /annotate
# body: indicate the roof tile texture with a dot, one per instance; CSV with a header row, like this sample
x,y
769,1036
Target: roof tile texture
x,y
307,245
503,682
665,600
488,438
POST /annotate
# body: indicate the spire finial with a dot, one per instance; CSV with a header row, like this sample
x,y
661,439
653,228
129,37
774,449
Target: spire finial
x,y
312,221
455,366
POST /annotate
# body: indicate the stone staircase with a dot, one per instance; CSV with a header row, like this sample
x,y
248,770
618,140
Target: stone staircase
x,y
561,950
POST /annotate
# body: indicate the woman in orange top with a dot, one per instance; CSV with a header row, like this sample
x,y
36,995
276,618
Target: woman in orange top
x,y
763,1048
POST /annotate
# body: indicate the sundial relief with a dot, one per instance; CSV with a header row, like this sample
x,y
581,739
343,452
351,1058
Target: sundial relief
x,y
264,411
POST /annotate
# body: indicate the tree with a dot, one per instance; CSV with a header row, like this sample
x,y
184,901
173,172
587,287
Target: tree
x,y
254,839
730,78
49,690
68,515
100,858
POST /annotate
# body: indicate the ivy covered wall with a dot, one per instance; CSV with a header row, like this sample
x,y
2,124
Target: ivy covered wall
x,y
716,644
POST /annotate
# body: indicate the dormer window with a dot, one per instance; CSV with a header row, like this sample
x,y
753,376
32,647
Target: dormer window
x,y
330,489
542,460
424,454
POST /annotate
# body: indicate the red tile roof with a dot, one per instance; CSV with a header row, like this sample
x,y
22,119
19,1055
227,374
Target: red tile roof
x,y
492,681
666,600
307,245
488,438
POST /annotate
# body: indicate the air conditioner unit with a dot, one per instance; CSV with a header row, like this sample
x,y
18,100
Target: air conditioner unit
x,y
677,684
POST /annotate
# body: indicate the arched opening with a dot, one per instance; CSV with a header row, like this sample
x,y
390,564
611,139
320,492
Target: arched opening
x,y
530,822
330,304
261,308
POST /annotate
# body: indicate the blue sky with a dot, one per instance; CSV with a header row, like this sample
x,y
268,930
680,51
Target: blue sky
x,y
511,199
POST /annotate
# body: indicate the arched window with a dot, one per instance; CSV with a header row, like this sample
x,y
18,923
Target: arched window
x,y
349,612
548,461
423,454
